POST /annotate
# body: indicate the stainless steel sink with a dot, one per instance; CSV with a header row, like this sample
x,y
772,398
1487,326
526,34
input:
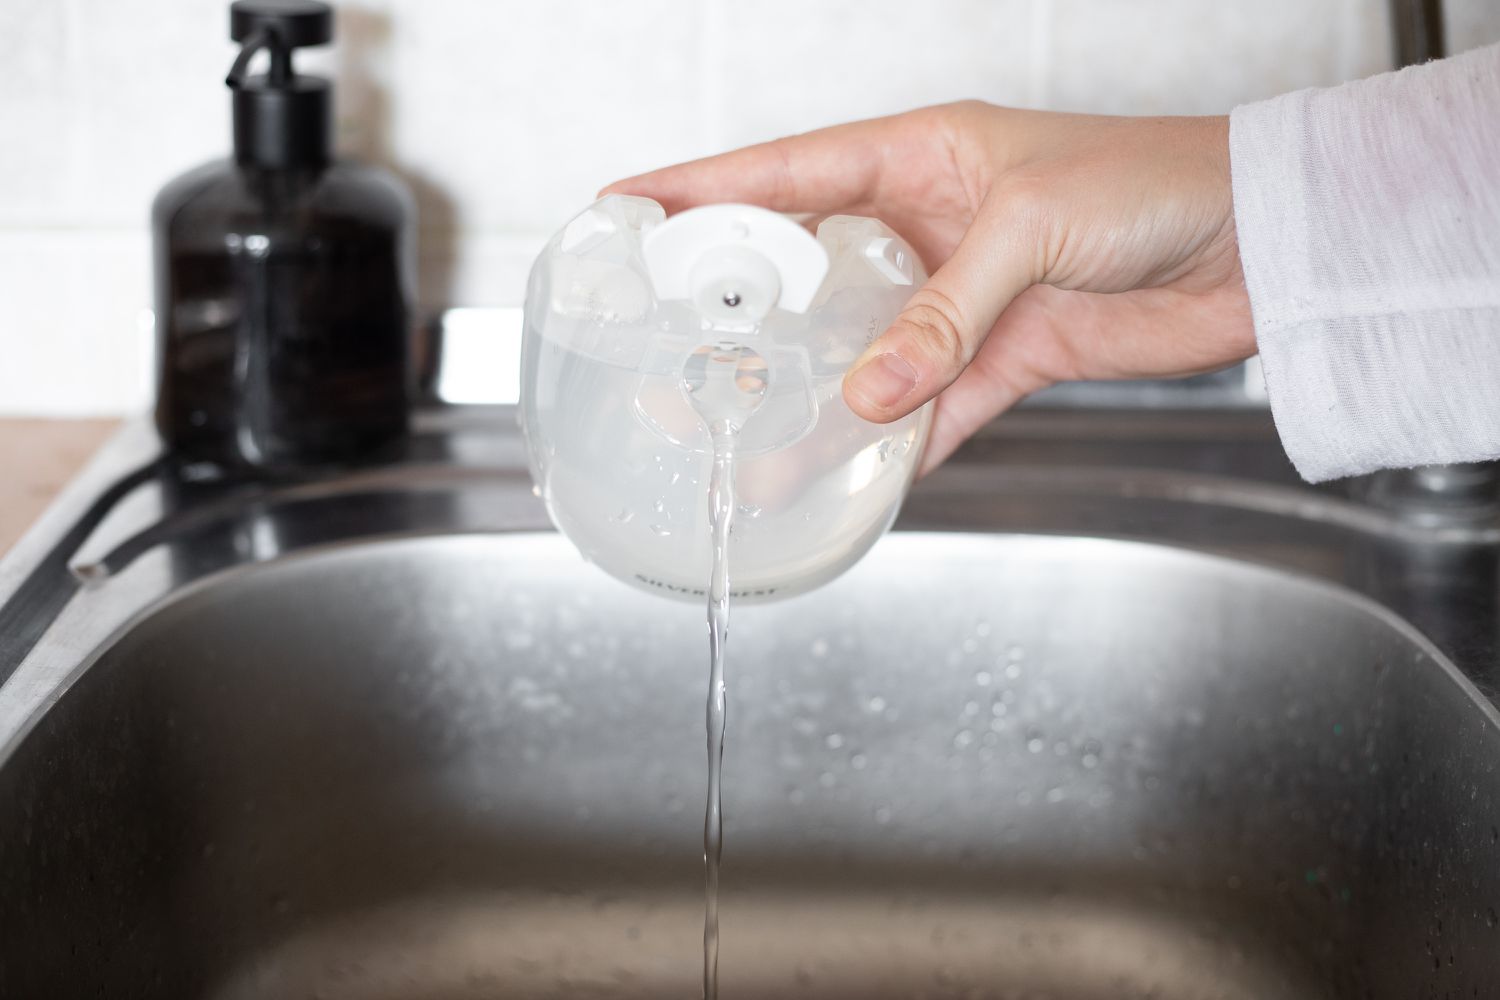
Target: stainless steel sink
x,y
377,736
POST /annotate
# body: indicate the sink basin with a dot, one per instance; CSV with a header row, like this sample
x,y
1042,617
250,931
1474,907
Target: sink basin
x,y
996,766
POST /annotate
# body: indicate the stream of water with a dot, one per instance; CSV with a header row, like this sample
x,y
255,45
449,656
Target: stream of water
x,y
725,384
721,514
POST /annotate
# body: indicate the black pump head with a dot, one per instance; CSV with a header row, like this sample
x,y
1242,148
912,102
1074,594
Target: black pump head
x,y
281,119
299,22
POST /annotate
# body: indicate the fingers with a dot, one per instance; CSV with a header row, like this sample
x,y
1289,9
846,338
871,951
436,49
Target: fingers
x,y
1050,335
942,327
972,401
1021,355
1000,377
822,171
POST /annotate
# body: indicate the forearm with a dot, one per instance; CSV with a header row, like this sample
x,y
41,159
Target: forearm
x,y
1368,219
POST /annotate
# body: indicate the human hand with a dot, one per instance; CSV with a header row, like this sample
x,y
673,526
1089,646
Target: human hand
x,y
1066,247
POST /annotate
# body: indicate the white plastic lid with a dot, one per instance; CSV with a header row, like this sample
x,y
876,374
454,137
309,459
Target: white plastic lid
x,y
735,262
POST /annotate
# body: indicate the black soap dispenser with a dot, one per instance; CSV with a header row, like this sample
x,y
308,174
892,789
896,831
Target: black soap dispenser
x,y
284,278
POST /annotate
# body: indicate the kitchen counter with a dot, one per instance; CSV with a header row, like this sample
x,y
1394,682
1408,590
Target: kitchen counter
x,y
37,458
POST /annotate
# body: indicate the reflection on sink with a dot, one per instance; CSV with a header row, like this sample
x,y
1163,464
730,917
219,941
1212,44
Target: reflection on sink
x,y
977,766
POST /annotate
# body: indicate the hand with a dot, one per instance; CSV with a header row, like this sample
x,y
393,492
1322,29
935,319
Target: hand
x,y
1066,247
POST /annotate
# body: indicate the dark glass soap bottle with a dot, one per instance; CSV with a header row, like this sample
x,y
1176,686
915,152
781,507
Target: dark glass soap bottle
x,y
284,278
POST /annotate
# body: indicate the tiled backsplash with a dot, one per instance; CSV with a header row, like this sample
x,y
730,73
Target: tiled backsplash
x,y
506,116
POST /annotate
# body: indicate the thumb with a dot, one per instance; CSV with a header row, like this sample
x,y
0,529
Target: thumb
x,y
941,328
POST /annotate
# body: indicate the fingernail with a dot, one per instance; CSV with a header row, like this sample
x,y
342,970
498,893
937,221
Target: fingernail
x,y
883,380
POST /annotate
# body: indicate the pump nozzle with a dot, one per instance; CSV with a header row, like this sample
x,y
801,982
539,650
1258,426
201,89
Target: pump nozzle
x,y
281,119
280,72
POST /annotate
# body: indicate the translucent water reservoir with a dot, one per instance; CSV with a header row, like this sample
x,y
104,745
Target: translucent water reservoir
x,y
620,453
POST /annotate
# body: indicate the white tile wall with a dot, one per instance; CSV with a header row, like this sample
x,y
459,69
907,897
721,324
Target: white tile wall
x,y
793,65
507,115
1099,50
74,340
1471,23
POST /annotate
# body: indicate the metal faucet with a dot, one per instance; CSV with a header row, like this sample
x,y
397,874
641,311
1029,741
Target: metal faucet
x,y
1417,31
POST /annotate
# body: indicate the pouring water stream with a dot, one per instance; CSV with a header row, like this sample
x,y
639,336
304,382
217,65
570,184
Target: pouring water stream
x,y
725,384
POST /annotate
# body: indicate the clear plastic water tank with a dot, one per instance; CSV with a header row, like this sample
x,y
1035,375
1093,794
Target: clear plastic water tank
x,y
623,307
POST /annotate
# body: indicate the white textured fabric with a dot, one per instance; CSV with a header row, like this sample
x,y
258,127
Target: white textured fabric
x,y
1369,227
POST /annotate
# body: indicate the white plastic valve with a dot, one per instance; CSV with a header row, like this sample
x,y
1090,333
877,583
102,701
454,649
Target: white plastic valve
x,y
711,236
734,285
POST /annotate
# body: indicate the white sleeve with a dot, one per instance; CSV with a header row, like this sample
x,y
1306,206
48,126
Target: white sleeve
x,y
1368,218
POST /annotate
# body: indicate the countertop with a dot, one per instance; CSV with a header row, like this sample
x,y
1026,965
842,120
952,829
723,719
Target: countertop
x,y
37,458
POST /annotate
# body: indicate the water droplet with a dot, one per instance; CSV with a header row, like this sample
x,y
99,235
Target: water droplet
x,y
1054,795
625,516
1015,654
963,738
749,510
833,741
819,648
1012,670
659,506
971,708
876,703
1091,752
536,490
1036,744
661,530
672,479
859,761
970,645
725,383
983,678
982,629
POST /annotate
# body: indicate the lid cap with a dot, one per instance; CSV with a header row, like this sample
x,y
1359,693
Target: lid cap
x,y
299,23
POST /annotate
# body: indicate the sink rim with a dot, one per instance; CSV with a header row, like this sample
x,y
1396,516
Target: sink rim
x,y
12,737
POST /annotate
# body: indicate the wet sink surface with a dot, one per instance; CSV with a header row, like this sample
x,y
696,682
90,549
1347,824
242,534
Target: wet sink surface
x,y
977,766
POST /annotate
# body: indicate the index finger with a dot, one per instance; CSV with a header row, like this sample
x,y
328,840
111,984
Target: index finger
x,y
821,171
